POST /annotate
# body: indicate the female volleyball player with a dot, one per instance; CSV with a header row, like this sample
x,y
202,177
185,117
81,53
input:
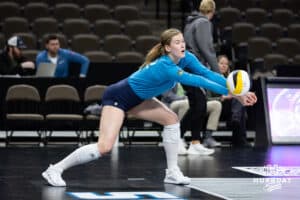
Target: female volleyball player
x,y
135,95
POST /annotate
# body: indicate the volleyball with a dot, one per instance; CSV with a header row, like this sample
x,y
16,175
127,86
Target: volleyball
x,y
238,82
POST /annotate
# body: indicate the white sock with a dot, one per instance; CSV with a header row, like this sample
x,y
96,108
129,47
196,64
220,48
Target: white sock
x,y
171,155
81,155
171,136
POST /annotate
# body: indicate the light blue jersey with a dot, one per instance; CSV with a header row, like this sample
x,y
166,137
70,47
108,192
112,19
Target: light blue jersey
x,y
162,74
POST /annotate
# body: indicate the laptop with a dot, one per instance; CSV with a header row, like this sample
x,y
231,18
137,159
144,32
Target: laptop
x,y
45,70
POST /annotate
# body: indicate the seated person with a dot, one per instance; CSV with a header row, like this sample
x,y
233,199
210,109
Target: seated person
x,y
234,110
12,62
176,101
180,105
61,58
214,109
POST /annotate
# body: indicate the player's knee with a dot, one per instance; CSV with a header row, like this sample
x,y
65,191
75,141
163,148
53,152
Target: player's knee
x,y
185,106
173,120
170,118
217,105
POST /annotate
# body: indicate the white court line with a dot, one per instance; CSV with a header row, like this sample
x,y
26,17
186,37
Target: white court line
x,y
251,171
270,171
206,191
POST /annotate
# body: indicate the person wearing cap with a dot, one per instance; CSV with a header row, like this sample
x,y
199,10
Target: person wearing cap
x,y
12,61
61,58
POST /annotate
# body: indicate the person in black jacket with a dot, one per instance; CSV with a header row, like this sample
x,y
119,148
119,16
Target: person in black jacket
x,y
12,61
198,36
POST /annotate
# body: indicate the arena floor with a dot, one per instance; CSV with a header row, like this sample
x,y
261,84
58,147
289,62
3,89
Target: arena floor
x,y
137,172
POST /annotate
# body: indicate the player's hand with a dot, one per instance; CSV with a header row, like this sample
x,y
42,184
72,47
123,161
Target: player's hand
x,y
226,97
249,99
27,65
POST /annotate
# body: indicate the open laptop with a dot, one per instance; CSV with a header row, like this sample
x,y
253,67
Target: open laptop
x,y
45,70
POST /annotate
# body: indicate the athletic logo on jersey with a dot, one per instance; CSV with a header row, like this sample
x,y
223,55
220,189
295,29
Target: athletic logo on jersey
x,y
180,72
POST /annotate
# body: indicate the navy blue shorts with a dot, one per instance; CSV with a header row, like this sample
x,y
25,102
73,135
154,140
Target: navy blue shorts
x,y
121,96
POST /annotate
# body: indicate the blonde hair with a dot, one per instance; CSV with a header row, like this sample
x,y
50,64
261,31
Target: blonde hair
x,y
207,6
159,49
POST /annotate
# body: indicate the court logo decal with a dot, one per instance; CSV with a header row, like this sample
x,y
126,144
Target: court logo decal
x,y
277,176
123,195
248,188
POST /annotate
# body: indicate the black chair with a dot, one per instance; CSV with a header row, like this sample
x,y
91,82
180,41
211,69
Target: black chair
x,y
23,110
124,13
129,57
135,28
131,125
92,95
144,43
34,10
98,56
85,42
9,9
294,31
117,43
256,16
282,16
270,5
242,5
272,31
258,47
63,110
63,11
94,12
293,5
241,33
106,27
45,25
71,27
288,47
274,59
30,54
12,25
228,16
2,41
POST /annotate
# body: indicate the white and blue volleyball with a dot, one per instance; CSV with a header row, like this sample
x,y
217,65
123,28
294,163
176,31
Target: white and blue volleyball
x,y
238,82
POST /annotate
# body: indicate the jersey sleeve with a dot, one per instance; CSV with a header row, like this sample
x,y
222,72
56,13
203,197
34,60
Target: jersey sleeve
x,y
191,62
176,73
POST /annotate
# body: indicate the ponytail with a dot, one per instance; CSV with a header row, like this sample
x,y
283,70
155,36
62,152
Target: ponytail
x,y
153,54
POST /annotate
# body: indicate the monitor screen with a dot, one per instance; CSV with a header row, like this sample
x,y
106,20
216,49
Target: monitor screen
x,y
283,109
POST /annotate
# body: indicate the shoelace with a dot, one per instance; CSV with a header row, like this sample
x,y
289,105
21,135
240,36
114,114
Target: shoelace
x,y
178,172
49,176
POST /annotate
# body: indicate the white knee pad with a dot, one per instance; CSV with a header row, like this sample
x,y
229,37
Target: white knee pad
x,y
171,133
